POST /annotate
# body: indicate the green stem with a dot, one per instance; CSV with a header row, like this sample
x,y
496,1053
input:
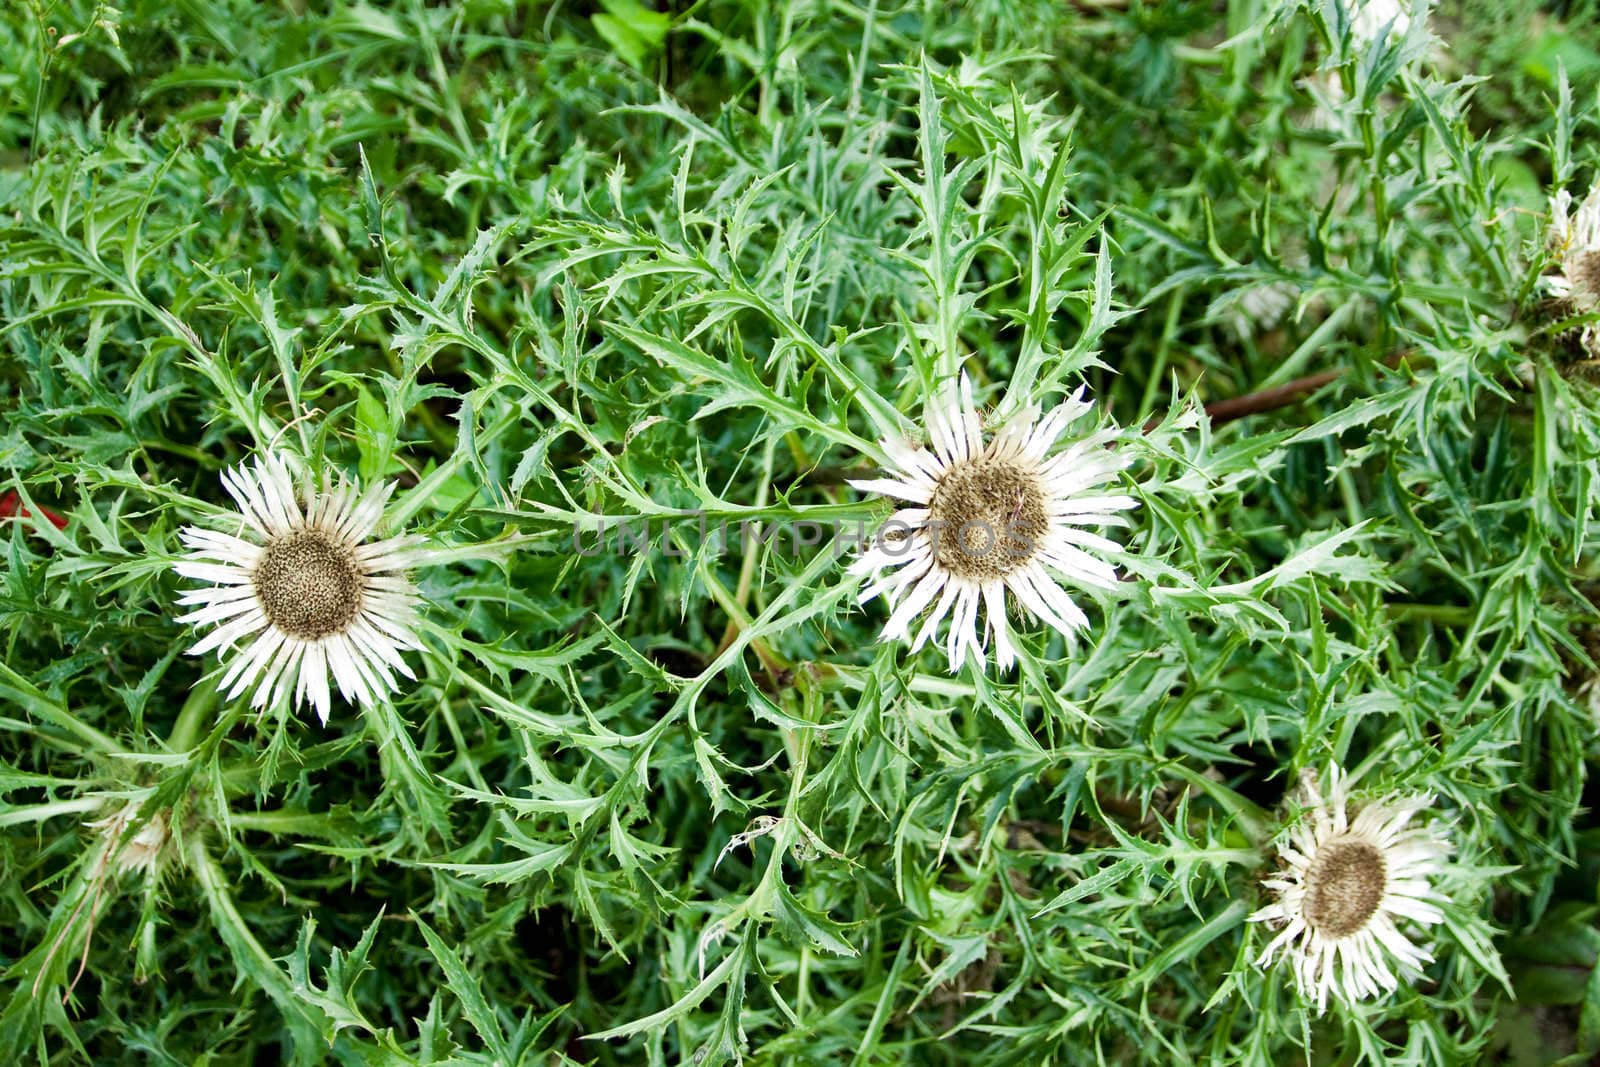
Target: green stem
x,y
33,700
851,510
41,812
1252,818
251,958
202,700
1446,614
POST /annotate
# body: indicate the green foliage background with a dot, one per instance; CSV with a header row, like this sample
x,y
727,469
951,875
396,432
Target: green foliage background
x,y
544,264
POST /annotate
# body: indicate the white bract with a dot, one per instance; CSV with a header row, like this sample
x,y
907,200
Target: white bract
x,y
1574,237
140,854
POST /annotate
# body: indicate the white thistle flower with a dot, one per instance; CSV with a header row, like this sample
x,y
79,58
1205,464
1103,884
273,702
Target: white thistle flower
x,y
1370,18
143,852
303,589
1260,307
1345,885
1575,240
1370,21
990,518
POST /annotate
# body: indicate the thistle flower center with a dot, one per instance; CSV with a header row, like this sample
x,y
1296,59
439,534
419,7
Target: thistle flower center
x,y
986,517
1344,887
308,585
1585,274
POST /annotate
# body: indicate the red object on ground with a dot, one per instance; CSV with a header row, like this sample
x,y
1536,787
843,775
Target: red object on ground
x,y
11,505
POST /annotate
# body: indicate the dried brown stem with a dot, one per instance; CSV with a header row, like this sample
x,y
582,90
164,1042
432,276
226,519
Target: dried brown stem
x,y
1219,411
1279,396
